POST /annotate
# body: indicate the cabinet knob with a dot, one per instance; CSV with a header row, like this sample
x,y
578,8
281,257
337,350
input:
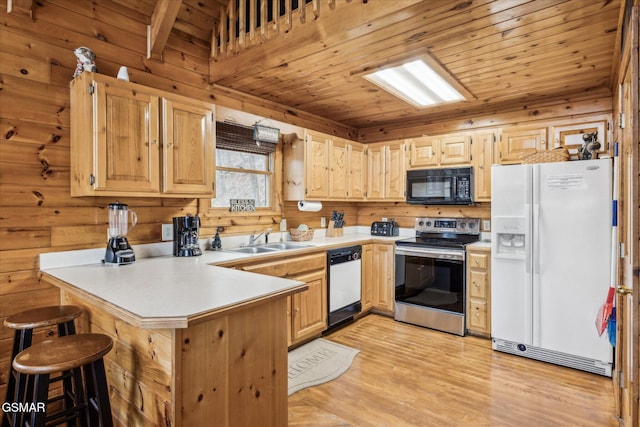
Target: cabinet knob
x,y
154,142
477,284
477,262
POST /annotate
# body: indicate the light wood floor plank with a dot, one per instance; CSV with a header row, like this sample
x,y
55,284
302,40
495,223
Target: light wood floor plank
x,y
406,375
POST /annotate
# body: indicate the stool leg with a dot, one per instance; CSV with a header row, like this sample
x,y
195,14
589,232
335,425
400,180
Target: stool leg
x,y
67,328
40,394
21,339
98,394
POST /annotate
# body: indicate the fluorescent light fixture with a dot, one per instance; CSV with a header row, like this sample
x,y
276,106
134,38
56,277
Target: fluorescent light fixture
x,y
416,83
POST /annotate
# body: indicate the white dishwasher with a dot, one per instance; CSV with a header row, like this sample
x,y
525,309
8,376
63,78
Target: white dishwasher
x,y
344,279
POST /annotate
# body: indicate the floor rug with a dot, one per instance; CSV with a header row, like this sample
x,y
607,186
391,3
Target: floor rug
x,y
318,362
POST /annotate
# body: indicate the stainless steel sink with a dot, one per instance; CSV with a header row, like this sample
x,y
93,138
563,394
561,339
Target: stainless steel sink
x,y
252,250
269,247
287,245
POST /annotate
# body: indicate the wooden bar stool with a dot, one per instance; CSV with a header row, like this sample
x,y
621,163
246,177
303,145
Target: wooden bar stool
x,y
24,323
90,391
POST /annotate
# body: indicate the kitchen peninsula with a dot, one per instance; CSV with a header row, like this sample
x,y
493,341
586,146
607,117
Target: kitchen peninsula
x,y
194,344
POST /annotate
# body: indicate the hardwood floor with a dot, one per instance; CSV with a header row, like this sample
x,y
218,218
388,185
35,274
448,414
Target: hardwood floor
x,y
406,375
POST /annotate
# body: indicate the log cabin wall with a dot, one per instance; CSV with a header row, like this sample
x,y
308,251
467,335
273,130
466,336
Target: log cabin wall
x,y
37,213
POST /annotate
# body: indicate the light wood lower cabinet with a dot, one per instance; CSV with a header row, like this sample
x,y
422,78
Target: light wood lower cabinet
x,y
479,291
378,277
307,310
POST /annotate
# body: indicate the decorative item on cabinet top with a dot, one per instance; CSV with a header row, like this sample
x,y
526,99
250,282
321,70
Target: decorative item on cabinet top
x,y
86,61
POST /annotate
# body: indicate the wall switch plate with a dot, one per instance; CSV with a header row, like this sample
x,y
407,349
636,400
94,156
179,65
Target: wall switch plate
x,y
167,232
486,225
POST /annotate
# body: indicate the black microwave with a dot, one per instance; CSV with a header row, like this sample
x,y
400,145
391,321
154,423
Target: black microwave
x,y
449,186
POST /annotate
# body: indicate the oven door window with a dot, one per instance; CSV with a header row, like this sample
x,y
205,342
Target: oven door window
x,y
431,282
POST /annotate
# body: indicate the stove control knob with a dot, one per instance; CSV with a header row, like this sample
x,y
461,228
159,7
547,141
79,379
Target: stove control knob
x,y
428,223
420,223
472,225
463,225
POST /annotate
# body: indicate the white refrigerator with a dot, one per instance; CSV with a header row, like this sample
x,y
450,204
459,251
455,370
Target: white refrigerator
x,y
550,261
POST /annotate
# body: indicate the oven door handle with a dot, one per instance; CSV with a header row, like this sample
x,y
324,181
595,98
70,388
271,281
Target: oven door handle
x,y
431,253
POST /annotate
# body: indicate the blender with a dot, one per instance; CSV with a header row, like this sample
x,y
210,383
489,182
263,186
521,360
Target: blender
x,y
118,249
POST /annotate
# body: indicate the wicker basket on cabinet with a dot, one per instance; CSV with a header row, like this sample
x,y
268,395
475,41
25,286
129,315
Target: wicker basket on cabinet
x,y
559,154
301,235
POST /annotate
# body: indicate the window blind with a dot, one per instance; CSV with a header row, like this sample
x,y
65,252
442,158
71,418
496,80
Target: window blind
x,y
232,136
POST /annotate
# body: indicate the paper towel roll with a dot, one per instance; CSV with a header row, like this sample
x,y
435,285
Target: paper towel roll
x,y
306,206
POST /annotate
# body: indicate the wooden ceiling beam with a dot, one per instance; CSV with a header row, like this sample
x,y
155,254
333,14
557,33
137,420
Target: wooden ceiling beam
x,y
21,7
162,20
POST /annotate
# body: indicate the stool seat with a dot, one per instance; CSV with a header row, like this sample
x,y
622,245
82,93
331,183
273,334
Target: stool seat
x,y
62,354
42,317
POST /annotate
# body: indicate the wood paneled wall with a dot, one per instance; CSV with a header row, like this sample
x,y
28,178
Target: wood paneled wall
x,y
37,63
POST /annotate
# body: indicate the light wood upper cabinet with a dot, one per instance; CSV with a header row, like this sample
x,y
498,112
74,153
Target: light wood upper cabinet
x,y
338,168
455,149
375,172
519,141
425,151
122,145
323,167
395,172
443,150
386,171
482,159
316,165
188,148
357,172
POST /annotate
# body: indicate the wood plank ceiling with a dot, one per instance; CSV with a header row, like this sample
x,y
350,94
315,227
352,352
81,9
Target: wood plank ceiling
x,y
506,53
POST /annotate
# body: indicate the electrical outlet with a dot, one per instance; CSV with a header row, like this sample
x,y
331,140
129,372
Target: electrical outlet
x,y
384,219
486,225
167,232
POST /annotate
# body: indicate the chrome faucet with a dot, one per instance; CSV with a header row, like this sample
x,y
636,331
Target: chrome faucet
x,y
253,237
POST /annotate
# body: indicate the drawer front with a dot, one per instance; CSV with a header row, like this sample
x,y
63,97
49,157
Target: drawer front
x,y
479,260
478,284
289,267
477,316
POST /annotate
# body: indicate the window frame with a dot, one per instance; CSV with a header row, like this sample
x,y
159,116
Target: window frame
x,y
206,210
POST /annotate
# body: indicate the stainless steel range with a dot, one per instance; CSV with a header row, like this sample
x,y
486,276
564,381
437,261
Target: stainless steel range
x,y
430,273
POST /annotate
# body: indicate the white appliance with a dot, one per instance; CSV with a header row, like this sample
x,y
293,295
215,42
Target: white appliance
x,y
344,287
550,261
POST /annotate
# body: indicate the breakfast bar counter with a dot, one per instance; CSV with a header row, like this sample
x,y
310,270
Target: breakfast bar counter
x,y
194,344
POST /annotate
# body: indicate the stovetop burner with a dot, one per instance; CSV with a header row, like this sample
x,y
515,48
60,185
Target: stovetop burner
x,y
444,232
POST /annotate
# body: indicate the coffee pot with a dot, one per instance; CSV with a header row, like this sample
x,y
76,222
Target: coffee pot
x,y
185,236
118,249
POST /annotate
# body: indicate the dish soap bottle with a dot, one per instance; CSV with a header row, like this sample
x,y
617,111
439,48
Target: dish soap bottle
x,y
216,243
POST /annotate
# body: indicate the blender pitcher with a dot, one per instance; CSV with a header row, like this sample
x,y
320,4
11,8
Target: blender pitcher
x,y
118,249
119,219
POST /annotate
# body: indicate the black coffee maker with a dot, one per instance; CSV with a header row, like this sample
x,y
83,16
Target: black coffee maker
x,y
185,236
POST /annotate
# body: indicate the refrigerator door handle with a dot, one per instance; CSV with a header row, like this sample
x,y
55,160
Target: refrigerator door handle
x,y
527,209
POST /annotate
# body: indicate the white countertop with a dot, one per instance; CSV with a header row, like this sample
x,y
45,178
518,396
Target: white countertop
x,y
170,292
163,291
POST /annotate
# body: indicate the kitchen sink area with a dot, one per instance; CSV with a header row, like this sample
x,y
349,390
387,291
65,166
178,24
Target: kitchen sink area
x,y
269,247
